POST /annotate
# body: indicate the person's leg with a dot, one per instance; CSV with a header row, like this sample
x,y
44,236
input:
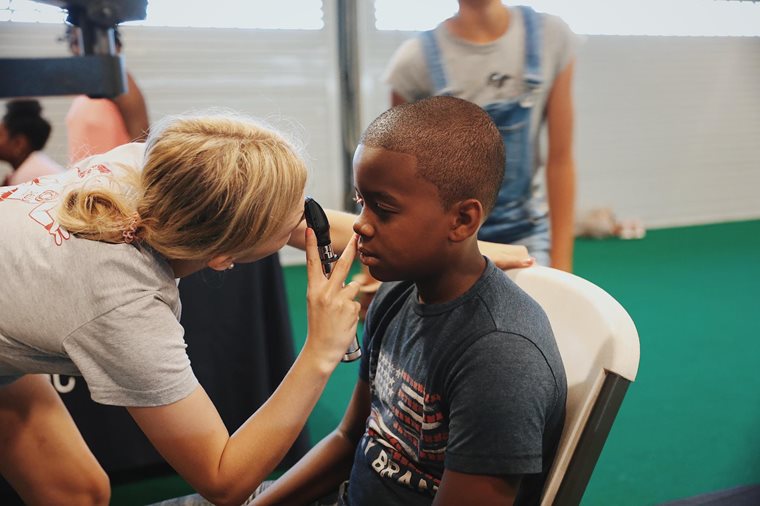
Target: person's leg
x,y
198,500
187,500
42,453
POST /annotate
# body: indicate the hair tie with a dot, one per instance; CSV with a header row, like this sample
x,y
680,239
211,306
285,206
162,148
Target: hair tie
x,y
129,232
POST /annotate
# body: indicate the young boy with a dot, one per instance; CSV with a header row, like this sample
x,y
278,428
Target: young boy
x,y
461,394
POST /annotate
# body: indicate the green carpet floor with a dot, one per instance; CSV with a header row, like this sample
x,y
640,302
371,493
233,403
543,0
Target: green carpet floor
x,y
690,423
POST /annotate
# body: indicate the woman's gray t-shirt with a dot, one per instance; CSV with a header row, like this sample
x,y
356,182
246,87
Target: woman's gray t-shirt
x,y
107,312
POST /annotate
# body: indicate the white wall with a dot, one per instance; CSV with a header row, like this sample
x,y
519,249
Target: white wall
x,y
667,127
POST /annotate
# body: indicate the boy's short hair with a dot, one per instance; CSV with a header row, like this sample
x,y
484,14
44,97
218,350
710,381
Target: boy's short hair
x,y
457,146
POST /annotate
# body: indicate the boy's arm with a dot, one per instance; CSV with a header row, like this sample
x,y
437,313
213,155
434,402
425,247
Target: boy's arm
x,y
501,402
560,170
484,490
328,464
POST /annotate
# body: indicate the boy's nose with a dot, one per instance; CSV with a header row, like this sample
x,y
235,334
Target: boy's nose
x,y
362,228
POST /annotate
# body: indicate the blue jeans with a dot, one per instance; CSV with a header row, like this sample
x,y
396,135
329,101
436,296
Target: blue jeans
x,y
538,246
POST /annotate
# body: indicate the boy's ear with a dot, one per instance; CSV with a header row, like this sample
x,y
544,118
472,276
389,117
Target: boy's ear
x,y
467,216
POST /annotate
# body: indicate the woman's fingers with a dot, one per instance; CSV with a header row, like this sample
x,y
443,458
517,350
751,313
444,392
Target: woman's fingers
x,y
351,290
314,273
333,311
343,265
346,292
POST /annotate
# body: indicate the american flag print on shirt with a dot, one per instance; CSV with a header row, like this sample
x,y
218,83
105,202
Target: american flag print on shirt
x,y
407,430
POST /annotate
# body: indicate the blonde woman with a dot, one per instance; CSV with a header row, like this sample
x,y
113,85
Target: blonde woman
x,y
89,266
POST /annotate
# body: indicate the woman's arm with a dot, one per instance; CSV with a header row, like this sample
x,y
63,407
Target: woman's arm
x,y
328,464
506,256
226,469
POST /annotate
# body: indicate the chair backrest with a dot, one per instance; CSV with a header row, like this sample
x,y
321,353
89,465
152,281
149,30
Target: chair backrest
x,y
599,346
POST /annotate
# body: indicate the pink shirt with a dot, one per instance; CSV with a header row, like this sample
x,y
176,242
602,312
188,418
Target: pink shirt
x,y
94,126
37,164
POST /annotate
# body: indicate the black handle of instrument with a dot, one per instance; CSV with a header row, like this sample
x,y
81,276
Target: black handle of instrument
x,y
316,219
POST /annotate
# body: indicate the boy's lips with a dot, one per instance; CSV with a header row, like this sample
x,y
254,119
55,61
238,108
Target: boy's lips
x,y
366,257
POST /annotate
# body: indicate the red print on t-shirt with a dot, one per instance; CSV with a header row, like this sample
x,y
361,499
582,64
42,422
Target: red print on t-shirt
x,y
44,194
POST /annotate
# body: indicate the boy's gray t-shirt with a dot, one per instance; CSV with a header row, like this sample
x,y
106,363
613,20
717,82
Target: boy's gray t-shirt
x,y
474,385
107,312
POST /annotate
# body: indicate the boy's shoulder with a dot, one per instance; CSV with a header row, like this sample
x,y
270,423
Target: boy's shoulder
x,y
390,295
494,304
510,308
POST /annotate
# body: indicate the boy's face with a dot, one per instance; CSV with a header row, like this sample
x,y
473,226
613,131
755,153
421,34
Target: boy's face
x,y
403,228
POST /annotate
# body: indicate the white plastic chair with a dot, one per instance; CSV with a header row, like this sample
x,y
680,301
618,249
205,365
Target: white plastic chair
x,y
600,351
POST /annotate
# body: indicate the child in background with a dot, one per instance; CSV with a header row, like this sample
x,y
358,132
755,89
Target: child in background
x,y
90,259
23,135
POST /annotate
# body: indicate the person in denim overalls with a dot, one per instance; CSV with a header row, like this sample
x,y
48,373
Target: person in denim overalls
x,y
517,65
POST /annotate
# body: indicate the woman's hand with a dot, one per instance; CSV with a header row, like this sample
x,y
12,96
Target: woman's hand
x,y
506,256
333,313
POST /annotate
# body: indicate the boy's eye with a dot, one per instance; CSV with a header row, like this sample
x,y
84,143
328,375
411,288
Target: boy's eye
x,y
379,209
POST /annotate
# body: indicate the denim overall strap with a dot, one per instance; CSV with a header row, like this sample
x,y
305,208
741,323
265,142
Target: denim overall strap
x,y
433,58
533,33
513,218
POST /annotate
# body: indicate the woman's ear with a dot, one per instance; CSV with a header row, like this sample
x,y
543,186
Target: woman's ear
x,y
221,263
467,216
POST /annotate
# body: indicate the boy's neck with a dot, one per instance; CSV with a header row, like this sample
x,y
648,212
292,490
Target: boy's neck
x,y
458,277
479,22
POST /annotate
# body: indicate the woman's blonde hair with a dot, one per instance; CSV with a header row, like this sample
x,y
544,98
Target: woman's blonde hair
x,y
210,185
